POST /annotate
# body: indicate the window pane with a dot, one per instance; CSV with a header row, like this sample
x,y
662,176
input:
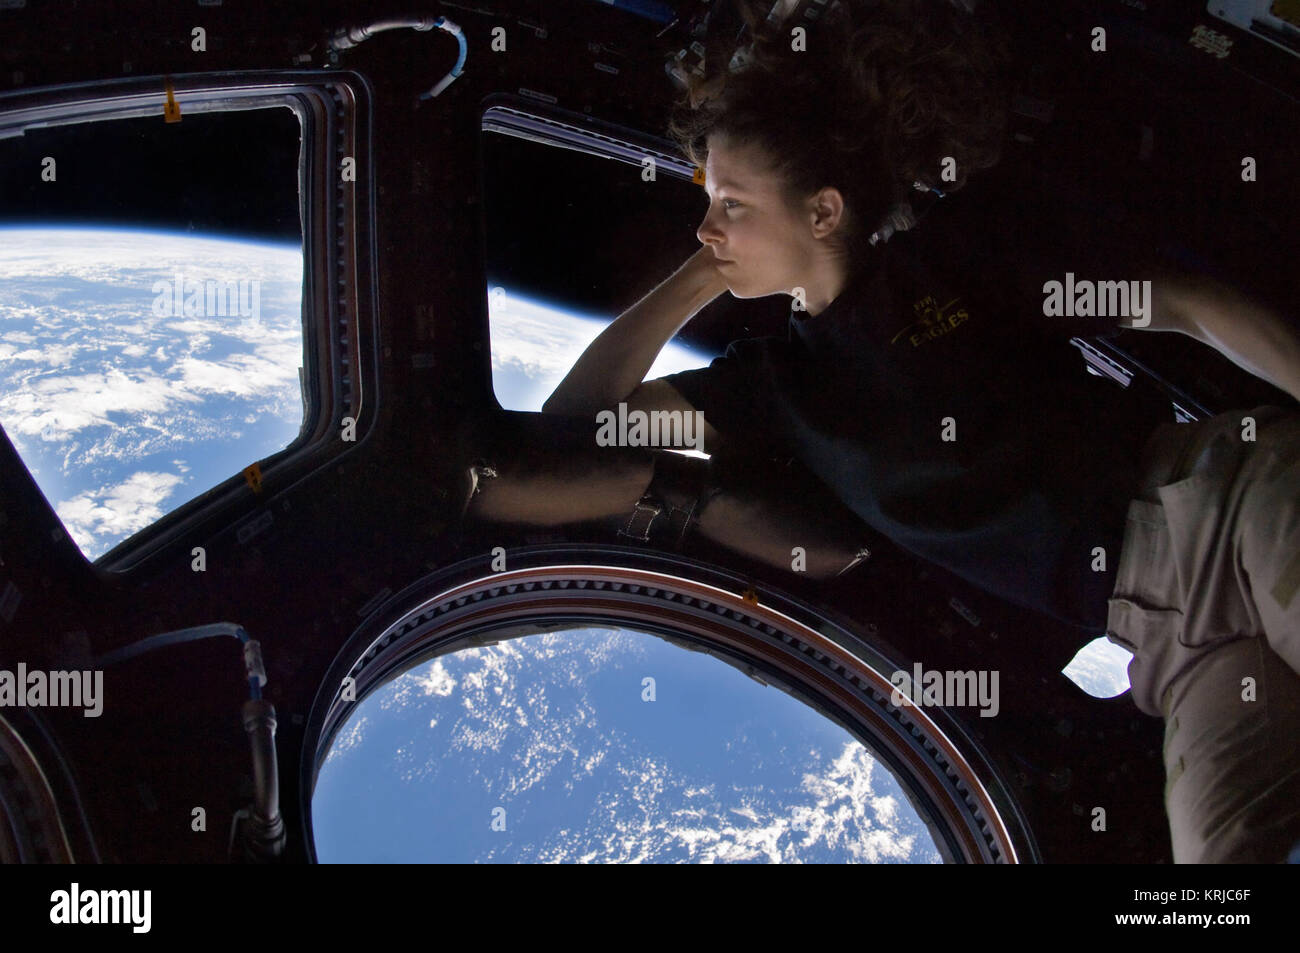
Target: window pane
x,y
562,263
141,366
557,747
1100,668
536,341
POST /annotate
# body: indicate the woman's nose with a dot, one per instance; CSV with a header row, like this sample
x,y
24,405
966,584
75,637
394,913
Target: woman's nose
x,y
708,233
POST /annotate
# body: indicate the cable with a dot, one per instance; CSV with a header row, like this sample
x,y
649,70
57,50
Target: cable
x,y
349,37
254,667
193,634
265,837
443,23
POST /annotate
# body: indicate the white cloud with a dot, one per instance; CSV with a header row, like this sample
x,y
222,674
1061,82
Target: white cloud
x,y
240,375
438,681
118,510
57,408
55,355
349,739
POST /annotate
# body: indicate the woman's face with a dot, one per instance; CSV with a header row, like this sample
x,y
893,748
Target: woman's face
x,y
762,245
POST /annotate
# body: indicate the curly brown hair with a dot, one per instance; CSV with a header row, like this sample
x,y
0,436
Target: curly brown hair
x,y
885,90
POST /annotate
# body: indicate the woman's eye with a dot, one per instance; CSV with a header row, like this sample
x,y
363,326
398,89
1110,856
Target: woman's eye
x,y
733,204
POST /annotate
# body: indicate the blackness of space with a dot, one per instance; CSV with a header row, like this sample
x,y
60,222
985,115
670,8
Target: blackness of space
x,y
232,173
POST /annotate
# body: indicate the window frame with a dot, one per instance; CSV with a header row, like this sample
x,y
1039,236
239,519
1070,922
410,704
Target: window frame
x,y
339,305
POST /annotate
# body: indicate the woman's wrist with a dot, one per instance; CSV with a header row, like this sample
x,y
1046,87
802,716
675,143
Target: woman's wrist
x,y
704,281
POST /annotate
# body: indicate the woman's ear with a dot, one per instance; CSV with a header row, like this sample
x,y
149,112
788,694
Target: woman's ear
x,y
828,212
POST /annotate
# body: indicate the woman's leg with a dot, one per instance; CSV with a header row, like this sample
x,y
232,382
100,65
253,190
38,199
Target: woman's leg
x,y
1232,762
1204,599
1269,533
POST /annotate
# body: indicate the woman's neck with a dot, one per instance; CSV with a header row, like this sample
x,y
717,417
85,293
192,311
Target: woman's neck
x,y
837,277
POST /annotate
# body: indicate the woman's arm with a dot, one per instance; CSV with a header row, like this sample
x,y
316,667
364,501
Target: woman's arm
x,y
764,515
768,527
618,359
544,482
764,526
1251,336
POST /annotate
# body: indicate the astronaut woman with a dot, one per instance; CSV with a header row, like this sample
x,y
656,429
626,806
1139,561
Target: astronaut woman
x,y
915,399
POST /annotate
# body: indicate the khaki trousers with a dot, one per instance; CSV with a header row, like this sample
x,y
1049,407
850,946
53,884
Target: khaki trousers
x,y
1207,598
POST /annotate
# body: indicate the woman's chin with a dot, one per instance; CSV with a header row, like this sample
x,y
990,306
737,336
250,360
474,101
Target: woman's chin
x,y
738,287
741,289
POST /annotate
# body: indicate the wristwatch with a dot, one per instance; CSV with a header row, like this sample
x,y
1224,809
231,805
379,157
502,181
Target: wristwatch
x,y
671,503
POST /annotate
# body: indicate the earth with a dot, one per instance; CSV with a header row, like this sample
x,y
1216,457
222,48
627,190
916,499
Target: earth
x,y
122,414
602,745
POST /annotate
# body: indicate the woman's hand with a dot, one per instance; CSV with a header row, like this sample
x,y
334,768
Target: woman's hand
x,y
704,264
620,357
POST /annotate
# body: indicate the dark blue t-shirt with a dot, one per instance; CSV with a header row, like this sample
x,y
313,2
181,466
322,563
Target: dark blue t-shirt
x,y
1040,458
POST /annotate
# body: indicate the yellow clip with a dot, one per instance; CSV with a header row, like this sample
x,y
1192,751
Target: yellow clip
x,y
253,474
698,177
750,596
171,108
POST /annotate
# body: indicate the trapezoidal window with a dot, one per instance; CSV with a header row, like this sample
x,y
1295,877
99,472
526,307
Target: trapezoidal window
x,y
184,304
582,219
151,298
